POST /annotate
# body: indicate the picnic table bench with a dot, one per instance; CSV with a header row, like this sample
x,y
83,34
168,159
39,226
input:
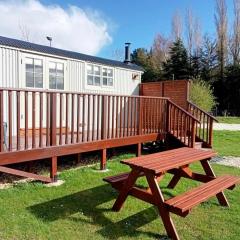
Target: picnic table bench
x,y
176,162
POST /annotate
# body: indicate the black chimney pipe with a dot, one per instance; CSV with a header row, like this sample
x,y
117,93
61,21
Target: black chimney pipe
x,y
127,53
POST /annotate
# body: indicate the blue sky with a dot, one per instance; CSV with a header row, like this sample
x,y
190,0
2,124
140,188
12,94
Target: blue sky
x,y
139,21
134,21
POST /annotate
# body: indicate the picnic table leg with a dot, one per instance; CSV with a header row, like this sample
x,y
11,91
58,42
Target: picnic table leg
x,y
128,184
174,181
164,213
176,177
209,171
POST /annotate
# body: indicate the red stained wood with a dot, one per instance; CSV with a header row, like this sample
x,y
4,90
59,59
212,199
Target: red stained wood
x,y
53,121
18,119
1,122
188,200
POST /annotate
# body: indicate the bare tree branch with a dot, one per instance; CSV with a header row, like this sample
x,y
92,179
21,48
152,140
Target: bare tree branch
x,y
222,38
234,42
189,30
176,26
25,32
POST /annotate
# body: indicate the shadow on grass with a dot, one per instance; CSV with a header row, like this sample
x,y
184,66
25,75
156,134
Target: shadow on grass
x,y
88,204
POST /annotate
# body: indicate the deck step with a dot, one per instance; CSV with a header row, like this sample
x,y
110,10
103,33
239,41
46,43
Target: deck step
x,y
183,203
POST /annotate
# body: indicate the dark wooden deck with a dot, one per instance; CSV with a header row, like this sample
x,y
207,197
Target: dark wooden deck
x,y
48,124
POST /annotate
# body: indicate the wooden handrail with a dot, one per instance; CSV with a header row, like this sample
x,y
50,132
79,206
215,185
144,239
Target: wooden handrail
x,y
204,130
182,109
31,90
181,124
206,113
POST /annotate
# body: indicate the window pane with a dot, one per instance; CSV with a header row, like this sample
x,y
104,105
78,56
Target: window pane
x,y
52,71
96,70
52,82
29,79
105,81
90,80
29,64
38,81
104,71
110,81
110,72
37,62
60,83
60,73
60,66
38,69
97,81
89,69
52,65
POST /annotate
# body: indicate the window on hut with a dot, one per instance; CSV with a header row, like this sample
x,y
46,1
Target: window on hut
x,y
56,75
34,73
99,76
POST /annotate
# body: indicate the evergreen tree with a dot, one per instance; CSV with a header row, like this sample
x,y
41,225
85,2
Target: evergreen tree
x,y
144,58
208,60
177,66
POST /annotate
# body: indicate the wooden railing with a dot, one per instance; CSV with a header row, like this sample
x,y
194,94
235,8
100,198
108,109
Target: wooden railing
x,y
204,128
31,118
181,124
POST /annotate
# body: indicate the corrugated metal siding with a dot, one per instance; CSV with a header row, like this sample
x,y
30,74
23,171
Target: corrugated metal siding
x,y
11,75
9,67
74,76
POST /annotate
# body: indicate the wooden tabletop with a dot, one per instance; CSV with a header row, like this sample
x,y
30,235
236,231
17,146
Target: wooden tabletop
x,y
167,160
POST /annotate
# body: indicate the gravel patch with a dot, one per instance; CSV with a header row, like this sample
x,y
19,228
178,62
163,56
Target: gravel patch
x,y
226,126
227,161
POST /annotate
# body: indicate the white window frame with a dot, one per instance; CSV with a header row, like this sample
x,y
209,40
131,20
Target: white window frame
x,y
107,77
101,86
24,79
55,74
56,60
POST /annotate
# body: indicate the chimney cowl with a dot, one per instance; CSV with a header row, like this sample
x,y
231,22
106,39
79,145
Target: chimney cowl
x,y
127,53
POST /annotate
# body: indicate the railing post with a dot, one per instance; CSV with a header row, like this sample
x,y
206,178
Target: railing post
x,y
140,116
167,116
104,118
53,121
193,133
1,123
210,134
104,132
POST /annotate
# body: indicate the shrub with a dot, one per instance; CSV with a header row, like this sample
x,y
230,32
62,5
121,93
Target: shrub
x,y
201,95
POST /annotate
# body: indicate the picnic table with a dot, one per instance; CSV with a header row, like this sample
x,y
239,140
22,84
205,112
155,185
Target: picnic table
x,y
176,162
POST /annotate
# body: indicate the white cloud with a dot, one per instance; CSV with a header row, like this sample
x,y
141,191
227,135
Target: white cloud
x,y
73,28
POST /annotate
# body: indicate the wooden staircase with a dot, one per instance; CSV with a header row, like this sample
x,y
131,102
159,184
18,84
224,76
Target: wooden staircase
x,y
192,127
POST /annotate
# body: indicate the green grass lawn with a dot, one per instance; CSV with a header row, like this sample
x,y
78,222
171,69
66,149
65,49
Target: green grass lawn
x,y
229,120
227,143
81,209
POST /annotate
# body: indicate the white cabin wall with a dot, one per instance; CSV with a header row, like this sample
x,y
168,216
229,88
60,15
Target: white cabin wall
x,y
74,76
9,67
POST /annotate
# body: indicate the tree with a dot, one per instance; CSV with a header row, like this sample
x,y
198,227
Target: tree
x,y
143,57
177,66
221,27
232,90
118,54
234,44
201,94
176,26
189,30
159,52
208,59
